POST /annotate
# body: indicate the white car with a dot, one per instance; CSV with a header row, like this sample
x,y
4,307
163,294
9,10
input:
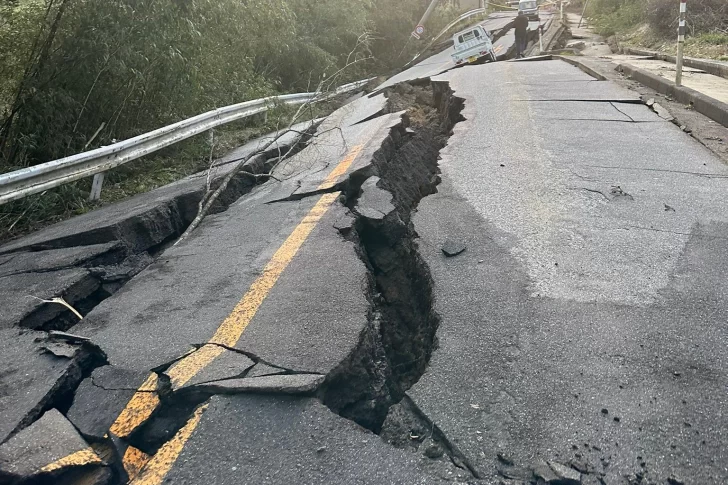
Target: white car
x,y
529,9
472,45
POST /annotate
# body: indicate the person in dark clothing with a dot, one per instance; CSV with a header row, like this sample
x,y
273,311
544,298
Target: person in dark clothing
x,y
521,25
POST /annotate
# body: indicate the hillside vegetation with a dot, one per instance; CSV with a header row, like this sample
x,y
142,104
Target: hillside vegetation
x,y
78,74
653,23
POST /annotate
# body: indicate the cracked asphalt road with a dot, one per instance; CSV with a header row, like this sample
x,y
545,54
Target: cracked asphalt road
x,y
585,324
313,331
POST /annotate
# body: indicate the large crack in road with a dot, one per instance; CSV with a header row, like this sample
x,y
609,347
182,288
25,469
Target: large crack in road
x,y
393,379
396,345
394,348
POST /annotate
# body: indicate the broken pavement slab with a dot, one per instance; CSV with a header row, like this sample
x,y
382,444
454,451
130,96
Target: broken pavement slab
x,y
304,174
81,276
566,303
313,335
272,384
33,379
249,439
228,365
374,202
358,111
139,328
50,445
146,220
59,259
22,295
140,222
101,397
662,112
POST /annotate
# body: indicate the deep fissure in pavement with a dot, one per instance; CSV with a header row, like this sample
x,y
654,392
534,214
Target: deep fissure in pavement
x,y
395,347
397,344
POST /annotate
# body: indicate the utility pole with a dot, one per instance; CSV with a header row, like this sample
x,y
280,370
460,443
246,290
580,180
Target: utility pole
x,y
583,12
681,42
426,17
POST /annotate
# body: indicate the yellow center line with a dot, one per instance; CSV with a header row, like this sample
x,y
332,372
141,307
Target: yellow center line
x,y
84,457
138,409
162,463
145,400
134,460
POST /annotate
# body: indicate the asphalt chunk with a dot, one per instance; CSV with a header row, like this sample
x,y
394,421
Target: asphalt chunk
x,y
33,379
49,445
101,397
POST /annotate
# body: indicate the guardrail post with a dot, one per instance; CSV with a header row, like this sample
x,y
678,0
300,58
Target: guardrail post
x,y
540,37
681,42
96,187
32,180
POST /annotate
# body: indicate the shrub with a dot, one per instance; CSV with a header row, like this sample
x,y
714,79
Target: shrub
x,y
612,16
703,16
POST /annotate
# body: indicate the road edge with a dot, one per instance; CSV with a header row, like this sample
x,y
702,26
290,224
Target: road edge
x,y
710,107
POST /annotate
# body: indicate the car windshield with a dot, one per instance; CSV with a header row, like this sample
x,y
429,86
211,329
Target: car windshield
x,y
527,5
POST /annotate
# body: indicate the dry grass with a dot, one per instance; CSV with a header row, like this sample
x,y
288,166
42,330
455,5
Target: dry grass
x,y
707,46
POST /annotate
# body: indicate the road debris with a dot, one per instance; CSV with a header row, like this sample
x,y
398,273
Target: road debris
x,y
274,384
51,445
452,248
374,202
101,397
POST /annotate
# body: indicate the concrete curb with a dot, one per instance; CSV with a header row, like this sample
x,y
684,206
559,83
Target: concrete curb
x,y
712,108
711,67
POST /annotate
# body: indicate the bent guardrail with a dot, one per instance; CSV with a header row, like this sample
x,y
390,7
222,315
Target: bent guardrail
x,y
36,179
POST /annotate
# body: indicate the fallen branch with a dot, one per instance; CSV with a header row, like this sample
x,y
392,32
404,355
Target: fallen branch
x,y
59,301
323,92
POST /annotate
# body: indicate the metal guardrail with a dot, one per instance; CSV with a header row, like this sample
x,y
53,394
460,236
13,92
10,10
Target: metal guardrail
x,y
32,180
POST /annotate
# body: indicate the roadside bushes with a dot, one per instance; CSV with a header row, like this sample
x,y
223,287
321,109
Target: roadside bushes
x,y
612,16
704,16
77,74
